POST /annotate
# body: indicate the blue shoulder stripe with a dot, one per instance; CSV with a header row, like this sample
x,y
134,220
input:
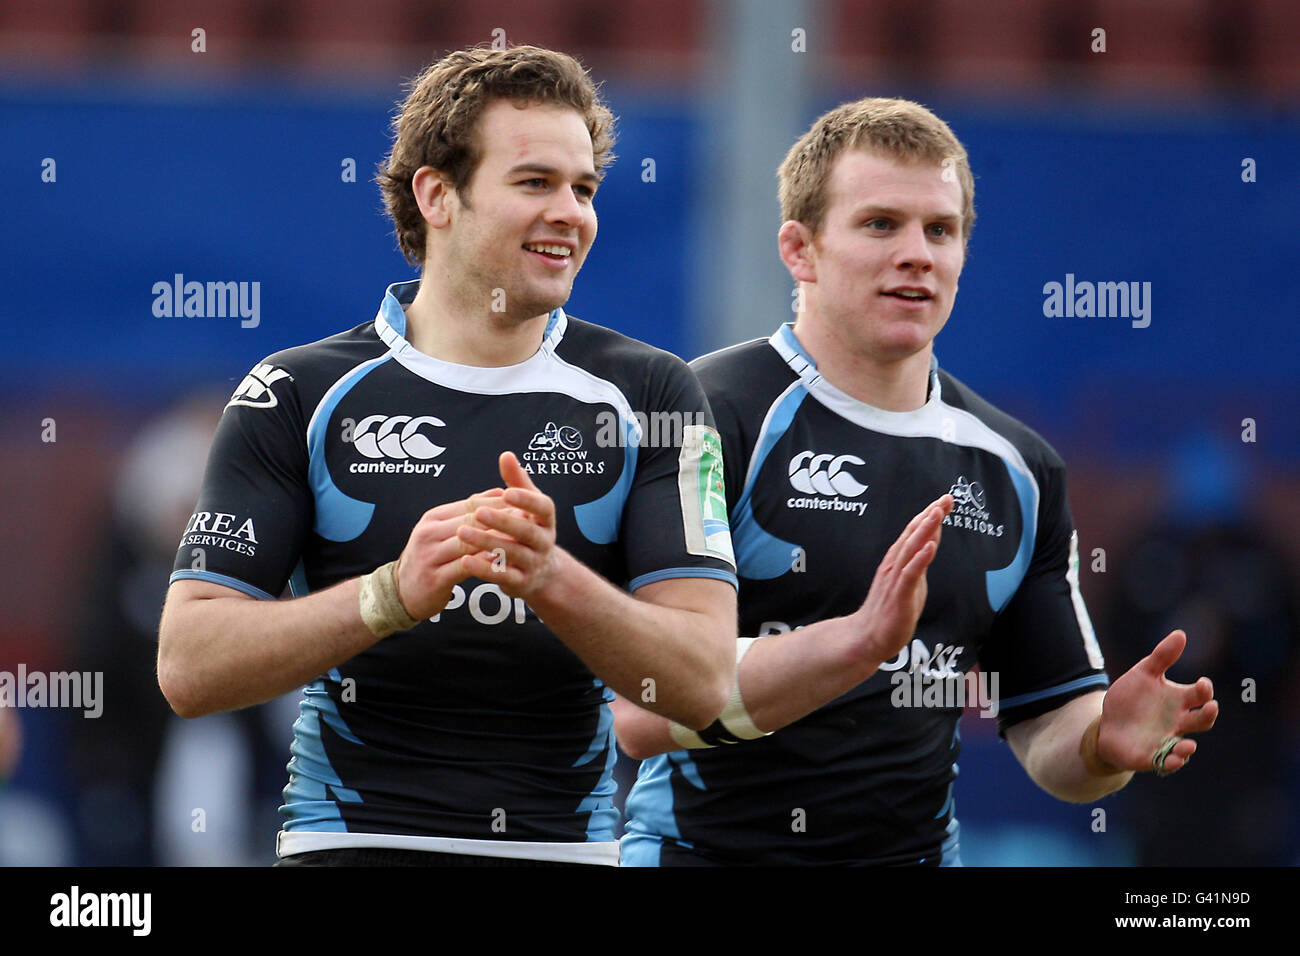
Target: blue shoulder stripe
x,y
223,579
1101,680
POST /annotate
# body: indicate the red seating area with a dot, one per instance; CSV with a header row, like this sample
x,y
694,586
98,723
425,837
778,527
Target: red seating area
x,y
1157,44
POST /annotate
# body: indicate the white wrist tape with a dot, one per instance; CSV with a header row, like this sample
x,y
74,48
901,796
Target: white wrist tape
x,y
734,716
381,608
686,738
733,726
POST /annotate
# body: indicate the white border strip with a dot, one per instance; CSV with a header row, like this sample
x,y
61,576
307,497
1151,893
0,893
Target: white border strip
x,y
290,842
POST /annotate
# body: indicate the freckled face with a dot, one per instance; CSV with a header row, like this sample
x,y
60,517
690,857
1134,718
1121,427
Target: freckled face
x,y
889,253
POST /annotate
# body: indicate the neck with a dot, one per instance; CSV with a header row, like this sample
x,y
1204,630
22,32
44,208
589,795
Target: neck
x,y
894,385
466,336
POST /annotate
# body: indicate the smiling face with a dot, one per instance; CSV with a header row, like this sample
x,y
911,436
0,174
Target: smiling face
x,y
526,219
881,274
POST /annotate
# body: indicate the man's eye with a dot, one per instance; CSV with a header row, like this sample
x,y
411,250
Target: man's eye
x,y
939,229
533,183
878,223
585,192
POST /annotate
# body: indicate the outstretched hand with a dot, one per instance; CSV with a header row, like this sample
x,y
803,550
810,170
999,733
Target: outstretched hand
x,y
889,614
1143,709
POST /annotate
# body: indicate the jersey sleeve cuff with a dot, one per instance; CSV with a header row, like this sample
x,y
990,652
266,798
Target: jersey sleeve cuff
x,y
1013,710
663,575
223,579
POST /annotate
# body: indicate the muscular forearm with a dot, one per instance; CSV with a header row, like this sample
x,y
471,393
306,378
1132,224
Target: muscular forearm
x,y
219,649
1048,747
688,654
782,679
220,653
788,676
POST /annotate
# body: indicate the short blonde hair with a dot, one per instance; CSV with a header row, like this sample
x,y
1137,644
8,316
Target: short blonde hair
x,y
893,127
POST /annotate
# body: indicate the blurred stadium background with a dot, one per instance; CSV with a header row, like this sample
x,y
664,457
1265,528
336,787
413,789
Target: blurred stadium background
x,y
128,158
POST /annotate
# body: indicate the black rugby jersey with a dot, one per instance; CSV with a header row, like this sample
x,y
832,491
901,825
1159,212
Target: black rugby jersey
x,y
477,724
819,486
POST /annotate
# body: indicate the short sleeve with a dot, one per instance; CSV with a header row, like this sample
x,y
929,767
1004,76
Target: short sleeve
x,y
1042,645
675,521
255,508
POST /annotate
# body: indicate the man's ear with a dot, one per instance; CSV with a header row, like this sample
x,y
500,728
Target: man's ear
x,y
795,241
434,194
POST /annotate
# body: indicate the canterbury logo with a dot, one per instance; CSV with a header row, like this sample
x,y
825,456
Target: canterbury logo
x,y
815,474
255,390
398,436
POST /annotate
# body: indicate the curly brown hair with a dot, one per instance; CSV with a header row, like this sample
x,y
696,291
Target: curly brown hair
x,y
893,127
436,124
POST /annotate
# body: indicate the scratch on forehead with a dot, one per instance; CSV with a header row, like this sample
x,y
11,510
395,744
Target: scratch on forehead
x,y
537,148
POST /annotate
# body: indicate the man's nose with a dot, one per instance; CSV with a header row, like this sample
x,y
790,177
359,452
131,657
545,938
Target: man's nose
x,y
914,249
564,207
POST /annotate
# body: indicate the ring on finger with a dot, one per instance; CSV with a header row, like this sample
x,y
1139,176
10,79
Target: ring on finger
x,y
1158,759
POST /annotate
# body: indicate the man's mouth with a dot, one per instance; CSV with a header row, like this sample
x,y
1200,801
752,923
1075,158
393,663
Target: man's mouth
x,y
551,250
910,295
